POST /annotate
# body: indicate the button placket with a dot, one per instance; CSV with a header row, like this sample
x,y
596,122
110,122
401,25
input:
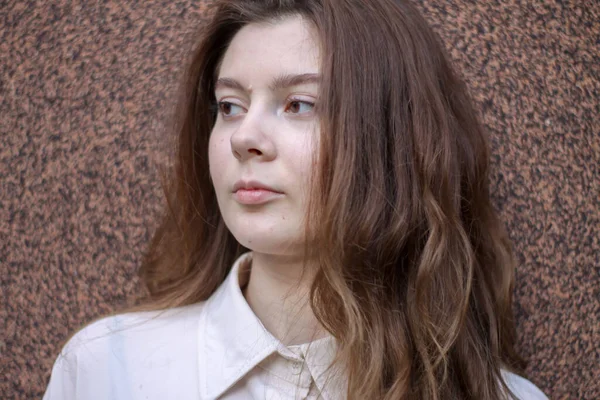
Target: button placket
x,y
302,391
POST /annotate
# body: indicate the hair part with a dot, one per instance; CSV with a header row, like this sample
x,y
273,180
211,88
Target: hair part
x,y
415,271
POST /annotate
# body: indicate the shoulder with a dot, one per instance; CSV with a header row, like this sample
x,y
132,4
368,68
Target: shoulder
x,y
114,352
522,388
141,328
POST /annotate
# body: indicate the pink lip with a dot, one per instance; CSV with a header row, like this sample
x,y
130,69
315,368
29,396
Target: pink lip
x,y
253,192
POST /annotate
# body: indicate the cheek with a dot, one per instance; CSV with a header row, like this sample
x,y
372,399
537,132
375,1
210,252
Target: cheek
x,y
218,151
302,154
308,156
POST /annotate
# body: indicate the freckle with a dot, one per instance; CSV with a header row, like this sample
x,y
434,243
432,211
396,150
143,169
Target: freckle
x,y
283,217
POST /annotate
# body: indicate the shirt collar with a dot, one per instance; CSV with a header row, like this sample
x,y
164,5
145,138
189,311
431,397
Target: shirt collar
x,y
232,341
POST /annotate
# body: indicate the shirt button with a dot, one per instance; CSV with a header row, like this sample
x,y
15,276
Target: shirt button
x,y
297,366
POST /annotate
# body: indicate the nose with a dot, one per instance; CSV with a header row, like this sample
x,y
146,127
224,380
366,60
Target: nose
x,y
251,139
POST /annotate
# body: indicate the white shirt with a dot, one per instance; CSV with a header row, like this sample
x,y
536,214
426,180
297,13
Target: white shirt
x,y
215,349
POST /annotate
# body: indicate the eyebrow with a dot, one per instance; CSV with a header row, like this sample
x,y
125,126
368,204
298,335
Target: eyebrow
x,y
280,82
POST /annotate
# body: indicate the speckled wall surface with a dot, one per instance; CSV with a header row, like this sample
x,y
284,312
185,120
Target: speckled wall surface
x,y
85,90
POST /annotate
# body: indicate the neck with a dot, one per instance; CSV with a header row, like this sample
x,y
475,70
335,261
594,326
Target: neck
x,y
279,296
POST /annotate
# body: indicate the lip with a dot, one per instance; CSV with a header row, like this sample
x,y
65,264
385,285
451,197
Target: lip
x,y
249,185
254,192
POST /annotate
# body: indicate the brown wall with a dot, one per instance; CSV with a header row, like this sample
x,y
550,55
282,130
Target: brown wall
x,y
84,91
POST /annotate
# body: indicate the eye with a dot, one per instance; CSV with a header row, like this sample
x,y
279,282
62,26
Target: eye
x,y
227,109
299,107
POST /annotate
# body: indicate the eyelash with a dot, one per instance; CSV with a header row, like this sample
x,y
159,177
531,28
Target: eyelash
x,y
216,106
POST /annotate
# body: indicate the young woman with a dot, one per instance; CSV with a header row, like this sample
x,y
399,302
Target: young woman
x,y
329,233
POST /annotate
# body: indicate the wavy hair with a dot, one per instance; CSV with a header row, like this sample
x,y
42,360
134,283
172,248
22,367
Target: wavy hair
x,y
415,270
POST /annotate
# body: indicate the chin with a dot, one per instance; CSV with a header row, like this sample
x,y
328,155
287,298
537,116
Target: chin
x,y
269,244
269,230
268,240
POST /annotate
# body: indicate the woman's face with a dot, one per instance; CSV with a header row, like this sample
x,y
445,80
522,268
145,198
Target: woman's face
x,y
262,144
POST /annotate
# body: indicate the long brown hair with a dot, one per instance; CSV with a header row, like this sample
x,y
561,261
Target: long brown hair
x,y
415,269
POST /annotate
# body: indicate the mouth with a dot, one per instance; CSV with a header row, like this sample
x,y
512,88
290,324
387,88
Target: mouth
x,y
254,193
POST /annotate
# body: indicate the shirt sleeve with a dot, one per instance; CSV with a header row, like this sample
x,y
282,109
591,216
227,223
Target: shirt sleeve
x,y
63,380
79,369
522,388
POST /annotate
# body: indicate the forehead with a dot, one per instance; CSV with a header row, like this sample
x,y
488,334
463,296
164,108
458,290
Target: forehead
x,y
262,50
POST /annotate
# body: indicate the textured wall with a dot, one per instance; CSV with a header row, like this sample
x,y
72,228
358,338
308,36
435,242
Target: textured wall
x,y
85,87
